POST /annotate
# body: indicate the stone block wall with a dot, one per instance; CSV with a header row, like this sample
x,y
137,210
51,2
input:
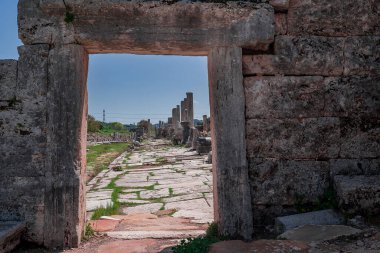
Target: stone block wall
x,y
312,103
23,86
41,182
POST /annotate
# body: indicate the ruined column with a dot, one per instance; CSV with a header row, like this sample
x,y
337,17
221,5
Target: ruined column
x,y
174,118
190,108
66,130
183,111
178,116
205,123
232,198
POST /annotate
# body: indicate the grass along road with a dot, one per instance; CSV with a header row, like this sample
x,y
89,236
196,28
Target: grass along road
x,y
101,155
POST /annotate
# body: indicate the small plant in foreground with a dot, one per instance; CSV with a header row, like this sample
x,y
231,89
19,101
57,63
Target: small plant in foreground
x,y
196,245
199,244
171,192
69,17
89,232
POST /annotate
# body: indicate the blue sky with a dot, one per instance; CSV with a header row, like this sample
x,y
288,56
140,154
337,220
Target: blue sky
x,y
128,87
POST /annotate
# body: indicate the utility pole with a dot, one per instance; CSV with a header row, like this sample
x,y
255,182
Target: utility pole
x,y
104,116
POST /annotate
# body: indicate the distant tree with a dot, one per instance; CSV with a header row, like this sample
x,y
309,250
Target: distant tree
x,y
117,126
144,124
93,125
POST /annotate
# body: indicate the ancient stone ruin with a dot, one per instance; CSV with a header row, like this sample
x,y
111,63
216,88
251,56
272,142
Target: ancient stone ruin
x,y
294,97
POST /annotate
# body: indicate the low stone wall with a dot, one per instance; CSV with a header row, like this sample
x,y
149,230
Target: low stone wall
x,y
93,138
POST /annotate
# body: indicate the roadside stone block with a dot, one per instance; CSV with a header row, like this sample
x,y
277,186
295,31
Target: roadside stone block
x,y
284,97
280,182
334,17
306,138
279,5
319,233
322,217
8,79
362,55
358,194
310,55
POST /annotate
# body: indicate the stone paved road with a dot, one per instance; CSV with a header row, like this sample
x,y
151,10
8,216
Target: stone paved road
x,y
170,183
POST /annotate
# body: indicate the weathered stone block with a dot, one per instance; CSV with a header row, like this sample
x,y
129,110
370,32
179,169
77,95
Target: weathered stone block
x,y
280,23
358,194
279,5
22,156
37,25
307,138
352,96
284,97
311,96
359,137
311,55
362,55
153,27
350,167
281,182
32,73
8,79
334,17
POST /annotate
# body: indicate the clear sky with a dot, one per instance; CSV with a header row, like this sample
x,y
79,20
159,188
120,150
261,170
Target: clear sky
x,y
128,87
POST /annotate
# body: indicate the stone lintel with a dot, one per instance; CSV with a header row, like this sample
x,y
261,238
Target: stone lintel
x,y
151,27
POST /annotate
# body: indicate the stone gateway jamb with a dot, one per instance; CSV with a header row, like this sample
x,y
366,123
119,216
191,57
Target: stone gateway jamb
x,y
66,132
232,198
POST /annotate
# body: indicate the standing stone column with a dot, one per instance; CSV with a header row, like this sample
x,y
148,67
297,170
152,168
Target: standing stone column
x,y
190,108
183,111
178,116
186,110
205,123
174,118
232,198
66,133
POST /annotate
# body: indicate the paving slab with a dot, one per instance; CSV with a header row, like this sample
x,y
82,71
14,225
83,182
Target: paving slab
x,y
155,234
183,197
260,246
103,225
93,204
103,194
322,217
318,233
155,194
197,210
145,208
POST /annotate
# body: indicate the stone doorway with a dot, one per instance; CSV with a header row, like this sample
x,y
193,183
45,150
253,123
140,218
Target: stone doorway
x,y
63,34
145,177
